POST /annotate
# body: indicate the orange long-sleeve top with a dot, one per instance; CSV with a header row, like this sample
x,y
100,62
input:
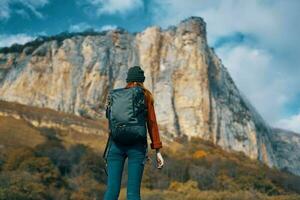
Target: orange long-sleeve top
x,y
151,119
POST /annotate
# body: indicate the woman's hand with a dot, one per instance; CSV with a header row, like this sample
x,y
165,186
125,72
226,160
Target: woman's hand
x,y
159,159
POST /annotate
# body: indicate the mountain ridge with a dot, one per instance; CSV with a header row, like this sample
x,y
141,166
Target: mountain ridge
x,y
194,93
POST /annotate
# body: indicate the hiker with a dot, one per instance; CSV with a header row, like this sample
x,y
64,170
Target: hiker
x,y
128,140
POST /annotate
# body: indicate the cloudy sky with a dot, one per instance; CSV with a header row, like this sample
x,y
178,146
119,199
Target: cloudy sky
x,y
257,40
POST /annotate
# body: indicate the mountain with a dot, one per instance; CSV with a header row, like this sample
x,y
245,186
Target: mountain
x,y
194,93
286,145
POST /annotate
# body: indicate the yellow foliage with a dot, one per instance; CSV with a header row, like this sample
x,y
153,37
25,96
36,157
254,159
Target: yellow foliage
x,y
199,154
185,187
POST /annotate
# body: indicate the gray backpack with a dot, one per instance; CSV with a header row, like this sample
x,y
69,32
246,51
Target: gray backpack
x,y
127,114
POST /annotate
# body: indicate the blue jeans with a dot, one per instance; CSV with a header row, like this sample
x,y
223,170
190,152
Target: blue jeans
x,y
117,153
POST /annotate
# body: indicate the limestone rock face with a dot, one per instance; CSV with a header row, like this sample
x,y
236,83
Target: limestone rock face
x,y
286,146
194,93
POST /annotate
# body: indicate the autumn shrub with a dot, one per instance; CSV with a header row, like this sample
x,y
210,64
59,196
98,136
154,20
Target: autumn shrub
x,y
199,154
85,188
90,164
21,185
16,156
44,168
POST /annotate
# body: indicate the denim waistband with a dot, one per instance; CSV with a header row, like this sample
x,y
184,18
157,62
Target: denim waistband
x,y
108,147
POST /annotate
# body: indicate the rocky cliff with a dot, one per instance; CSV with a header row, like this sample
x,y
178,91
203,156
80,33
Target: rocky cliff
x,y
194,93
286,145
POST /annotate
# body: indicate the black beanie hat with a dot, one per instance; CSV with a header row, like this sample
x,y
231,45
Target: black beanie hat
x,y
135,73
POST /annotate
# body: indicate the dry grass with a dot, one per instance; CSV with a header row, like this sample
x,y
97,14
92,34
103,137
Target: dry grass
x,y
181,157
19,132
16,133
52,115
69,138
196,194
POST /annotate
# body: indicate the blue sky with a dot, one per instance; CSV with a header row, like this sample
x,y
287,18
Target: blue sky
x,y
257,40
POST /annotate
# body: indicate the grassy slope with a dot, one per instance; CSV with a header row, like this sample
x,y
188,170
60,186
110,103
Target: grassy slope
x,y
193,170
19,132
36,113
15,133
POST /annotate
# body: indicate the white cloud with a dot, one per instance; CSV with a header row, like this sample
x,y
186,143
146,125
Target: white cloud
x,y
79,27
22,13
265,69
269,21
6,7
115,6
83,26
108,27
290,123
171,12
8,40
253,72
